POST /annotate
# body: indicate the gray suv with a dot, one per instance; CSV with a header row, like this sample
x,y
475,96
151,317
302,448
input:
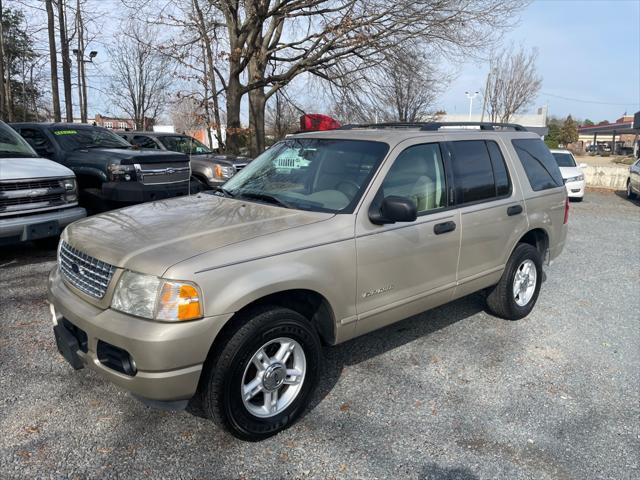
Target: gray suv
x,y
324,237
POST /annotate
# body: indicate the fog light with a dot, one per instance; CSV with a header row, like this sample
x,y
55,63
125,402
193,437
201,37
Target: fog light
x,y
127,177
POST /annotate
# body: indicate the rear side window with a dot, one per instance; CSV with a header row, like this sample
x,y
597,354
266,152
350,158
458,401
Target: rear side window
x,y
479,171
541,167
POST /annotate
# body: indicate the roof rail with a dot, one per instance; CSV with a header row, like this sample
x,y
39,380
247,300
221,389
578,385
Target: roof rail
x,y
435,126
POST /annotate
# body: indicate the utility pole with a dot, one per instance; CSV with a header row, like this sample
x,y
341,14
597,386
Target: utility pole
x,y
471,96
82,79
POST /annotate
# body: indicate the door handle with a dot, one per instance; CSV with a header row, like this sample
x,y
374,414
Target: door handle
x,y
514,210
445,227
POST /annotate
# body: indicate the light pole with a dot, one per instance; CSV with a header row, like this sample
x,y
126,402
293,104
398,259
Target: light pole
x,y
82,81
471,96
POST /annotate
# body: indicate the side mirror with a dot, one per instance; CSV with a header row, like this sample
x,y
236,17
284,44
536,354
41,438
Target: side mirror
x,y
583,165
394,209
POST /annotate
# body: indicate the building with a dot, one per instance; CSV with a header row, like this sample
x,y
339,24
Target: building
x,y
620,136
120,123
535,122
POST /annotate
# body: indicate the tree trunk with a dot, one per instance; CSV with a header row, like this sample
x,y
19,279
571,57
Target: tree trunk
x,y
66,61
234,99
257,104
210,75
53,60
2,96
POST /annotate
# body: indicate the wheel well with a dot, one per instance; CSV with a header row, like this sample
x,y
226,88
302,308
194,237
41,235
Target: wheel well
x,y
537,238
307,303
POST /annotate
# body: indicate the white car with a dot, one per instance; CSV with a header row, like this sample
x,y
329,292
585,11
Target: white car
x,y
572,173
38,197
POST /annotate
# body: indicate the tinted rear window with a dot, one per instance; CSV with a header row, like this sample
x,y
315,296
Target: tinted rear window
x,y
564,159
479,171
540,166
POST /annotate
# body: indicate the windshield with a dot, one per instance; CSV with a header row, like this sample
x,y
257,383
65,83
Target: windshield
x,y
80,138
564,159
324,175
12,144
184,144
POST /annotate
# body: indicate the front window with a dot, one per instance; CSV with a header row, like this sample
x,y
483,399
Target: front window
x,y
84,138
184,144
564,159
12,144
324,175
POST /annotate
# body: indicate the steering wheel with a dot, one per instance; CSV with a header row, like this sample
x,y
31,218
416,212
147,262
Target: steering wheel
x,y
348,187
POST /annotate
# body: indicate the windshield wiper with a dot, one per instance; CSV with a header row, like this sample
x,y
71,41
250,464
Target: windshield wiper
x,y
87,147
8,154
265,197
224,191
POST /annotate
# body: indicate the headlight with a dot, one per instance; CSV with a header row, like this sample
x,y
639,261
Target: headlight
x,y
575,179
223,172
71,193
121,173
154,298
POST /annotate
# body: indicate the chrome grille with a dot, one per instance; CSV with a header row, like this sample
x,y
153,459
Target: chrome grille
x,y
30,195
159,173
86,273
240,166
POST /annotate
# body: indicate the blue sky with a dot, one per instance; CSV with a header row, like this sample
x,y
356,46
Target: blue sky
x,y
588,51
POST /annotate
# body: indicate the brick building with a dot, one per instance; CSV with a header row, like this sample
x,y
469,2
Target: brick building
x,y
119,123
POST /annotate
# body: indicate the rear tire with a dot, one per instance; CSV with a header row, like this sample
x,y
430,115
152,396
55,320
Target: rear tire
x,y
517,291
252,389
630,193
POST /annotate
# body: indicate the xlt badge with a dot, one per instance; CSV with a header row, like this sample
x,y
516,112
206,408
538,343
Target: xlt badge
x,y
377,291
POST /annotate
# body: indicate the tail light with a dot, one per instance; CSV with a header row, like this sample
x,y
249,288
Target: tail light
x,y
314,122
566,211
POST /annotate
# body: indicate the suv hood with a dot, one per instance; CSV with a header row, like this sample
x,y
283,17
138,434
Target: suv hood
x,y
128,156
23,168
151,237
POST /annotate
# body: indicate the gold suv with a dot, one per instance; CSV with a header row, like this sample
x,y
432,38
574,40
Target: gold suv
x,y
324,237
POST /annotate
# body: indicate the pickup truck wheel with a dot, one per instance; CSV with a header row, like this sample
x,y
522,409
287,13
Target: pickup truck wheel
x,y
262,378
517,291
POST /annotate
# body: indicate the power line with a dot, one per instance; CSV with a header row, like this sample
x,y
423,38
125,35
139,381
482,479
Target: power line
x,y
588,101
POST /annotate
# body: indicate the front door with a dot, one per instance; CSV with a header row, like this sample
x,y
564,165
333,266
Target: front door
x,y
406,268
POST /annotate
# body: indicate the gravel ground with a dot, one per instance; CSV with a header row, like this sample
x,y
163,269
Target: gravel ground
x,y
450,394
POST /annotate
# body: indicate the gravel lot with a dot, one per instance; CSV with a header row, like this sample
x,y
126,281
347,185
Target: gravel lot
x,y
450,394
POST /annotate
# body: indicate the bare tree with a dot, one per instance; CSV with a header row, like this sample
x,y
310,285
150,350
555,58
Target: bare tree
x,y
403,88
282,117
141,76
2,91
512,84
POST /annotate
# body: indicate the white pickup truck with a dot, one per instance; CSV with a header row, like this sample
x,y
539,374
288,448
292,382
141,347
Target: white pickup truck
x,y
38,197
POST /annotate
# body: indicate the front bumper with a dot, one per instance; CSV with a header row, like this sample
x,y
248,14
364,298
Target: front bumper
x,y
575,189
168,357
136,192
41,225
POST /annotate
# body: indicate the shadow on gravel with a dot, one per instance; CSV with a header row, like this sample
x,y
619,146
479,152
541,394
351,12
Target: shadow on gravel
x,y
623,194
28,253
434,472
389,338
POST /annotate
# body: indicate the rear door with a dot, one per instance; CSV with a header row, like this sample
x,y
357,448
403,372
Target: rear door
x,y
492,214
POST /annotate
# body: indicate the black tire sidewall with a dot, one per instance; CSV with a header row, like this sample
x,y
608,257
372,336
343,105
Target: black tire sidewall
x,y
521,253
279,323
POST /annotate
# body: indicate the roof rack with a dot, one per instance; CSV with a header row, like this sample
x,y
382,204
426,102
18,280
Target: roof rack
x,y
435,126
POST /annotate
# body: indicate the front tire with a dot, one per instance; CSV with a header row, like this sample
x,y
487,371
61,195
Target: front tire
x,y
517,291
630,193
262,378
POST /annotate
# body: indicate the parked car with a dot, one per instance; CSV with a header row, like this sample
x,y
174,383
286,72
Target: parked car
x,y
232,292
106,166
38,197
572,173
208,168
633,182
